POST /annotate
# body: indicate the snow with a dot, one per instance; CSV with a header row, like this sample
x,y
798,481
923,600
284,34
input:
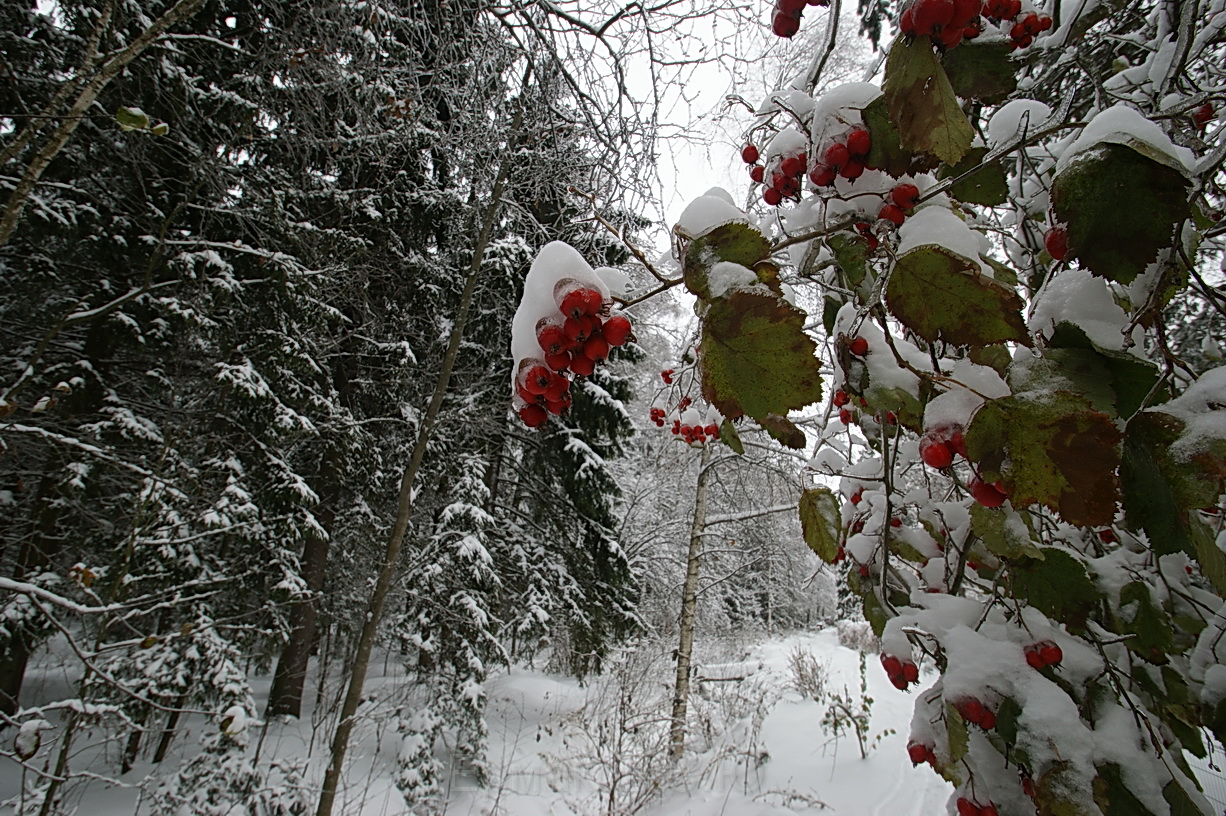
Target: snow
x,y
555,263
934,225
1075,296
726,275
709,211
1014,119
1123,125
1200,408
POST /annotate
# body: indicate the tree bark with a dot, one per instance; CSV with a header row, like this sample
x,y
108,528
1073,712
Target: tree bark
x,y
404,503
689,609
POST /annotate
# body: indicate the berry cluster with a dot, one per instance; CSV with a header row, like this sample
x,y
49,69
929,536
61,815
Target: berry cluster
x,y
974,711
573,342
921,753
845,158
968,808
948,22
1043,654
1027,28
695,433
901,674
785,178
902,199
939,445
786,21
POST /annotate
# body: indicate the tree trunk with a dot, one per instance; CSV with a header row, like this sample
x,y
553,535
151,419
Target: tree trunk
x,y
689,608
404,502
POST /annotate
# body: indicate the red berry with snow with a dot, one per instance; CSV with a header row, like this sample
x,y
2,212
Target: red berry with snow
x,y
823,175
793,166
616,330
858,347
772,196
1052,654
986,494
667,376
905,196
917,752
837,155
935,452
1203,115
893,213
749,154
859,142
841,398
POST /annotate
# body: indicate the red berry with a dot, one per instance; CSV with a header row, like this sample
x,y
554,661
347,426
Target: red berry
x,y
905,196
895,522
536,379
935,453
1028,786
859,142
967,808
596,348
792,166
552,338
616,330
986,494
917,752
582,364
579,329
965,11
667,376
1051,653
864,573
858,347
906,23
1108,536
910,672
574,300
785,25
950,36
955,441
1034,659
749,154
989,810
559,406
594,301
792,7
1203,115
857,496
772,196
1056,241
988,720
853,169
822,175
845,416
559,361
841,398
891,212
533,416
757,173
899,682
1031,23
837,155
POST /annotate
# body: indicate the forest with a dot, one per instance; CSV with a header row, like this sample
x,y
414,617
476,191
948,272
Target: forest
x,y
352,376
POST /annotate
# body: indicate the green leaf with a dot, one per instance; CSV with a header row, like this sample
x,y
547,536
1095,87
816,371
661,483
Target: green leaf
x,y
1209,555
1113,796
941,295
1161,493
887,153
756,358
987,185
1181,804
1121,208
1003,532
131,118
1147,621
729,436
830,313
821,522
1007,714
849,255
981,70
1131,378
955,727
1056,584
734,243
1061,453
922,104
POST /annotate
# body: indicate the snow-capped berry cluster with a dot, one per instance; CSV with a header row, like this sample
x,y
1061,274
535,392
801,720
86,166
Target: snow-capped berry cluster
x,y
921,753
938,446
786,21
1043,654
976,713
901,673
844,158
572,330
949,22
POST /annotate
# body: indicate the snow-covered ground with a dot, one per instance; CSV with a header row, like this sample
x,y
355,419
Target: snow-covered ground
x,y
558,747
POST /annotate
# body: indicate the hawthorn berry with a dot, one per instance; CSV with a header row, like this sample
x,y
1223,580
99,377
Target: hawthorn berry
x,y
852,170
785,25
772,196
841,398
935,452
858,347
837,155
537,378
793,165
757,173
616,330
986,494
905,196
1051,653
859,142
596,348
845,416
857,496
893,213
552,338
966,807
1057,243
823,175
1203,115
667,376
534,416
582,364
749,154
579,329
918,753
